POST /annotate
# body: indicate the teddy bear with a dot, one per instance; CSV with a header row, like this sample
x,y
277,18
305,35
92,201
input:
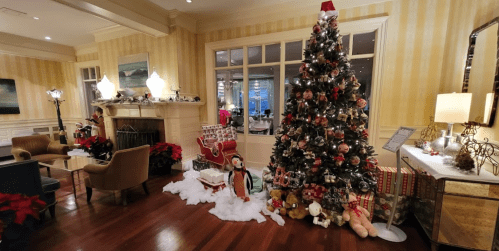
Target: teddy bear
x,y
358,216
295,209
275,203
320,218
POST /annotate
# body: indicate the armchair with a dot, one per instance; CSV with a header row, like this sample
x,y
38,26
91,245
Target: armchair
x,y
38,147
127,168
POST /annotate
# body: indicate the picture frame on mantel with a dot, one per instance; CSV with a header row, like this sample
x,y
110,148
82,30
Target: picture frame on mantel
x,y
133,70
8,101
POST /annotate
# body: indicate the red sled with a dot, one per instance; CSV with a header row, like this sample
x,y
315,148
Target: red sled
x,y
222,156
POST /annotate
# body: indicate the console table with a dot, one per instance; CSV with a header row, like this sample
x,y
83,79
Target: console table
x,y
454,207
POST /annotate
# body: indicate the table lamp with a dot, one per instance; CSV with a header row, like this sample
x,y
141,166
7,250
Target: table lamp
x,y
452,108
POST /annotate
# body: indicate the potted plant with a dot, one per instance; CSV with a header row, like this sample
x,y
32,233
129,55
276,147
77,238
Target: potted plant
x,y
17,218
98,147
162,156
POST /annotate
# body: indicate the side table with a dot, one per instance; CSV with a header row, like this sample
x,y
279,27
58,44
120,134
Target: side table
x,y
454,208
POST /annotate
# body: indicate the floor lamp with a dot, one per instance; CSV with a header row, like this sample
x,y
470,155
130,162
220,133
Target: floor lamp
x,y
56,95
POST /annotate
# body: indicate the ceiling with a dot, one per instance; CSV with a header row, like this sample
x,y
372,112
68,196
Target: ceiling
x,y
63,24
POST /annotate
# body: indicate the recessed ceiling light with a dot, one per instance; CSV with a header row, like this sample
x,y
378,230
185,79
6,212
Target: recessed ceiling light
x,y
36,18
189,1
48,38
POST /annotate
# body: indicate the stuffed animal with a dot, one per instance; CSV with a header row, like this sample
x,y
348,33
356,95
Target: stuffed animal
x,y
358,217
275,203
240,179
320,218
295,209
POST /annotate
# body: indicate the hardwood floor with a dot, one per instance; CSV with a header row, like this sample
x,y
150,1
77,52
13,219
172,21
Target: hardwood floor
x,y
162,221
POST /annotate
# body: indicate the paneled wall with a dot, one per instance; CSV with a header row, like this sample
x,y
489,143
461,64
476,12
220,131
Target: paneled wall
x,y
415,44
465,16
187,67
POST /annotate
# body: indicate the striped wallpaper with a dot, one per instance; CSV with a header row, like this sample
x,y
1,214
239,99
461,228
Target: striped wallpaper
x,y
172,56
33,78
465,16
416,39
87,57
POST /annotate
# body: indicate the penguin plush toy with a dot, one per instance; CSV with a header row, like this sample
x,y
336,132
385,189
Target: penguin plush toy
x,y
240,179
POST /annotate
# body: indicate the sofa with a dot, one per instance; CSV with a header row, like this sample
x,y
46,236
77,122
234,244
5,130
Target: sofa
x,y
38,147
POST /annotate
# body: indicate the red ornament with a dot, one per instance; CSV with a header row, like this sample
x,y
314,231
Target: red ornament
x,y
313,192
280,177
335,93
361,103
343,148
317,28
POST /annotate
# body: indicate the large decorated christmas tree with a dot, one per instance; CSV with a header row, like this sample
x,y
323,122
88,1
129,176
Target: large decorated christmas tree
x,y
321,145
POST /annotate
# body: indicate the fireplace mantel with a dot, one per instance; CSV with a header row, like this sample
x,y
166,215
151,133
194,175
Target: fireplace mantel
x,y
182,123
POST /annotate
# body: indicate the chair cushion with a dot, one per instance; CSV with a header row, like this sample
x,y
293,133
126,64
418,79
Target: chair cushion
x,y
50,185
49,157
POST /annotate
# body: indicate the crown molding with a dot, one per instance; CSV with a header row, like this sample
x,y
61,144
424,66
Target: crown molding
x,y
34,48
181,19
273,13
86,49
112,32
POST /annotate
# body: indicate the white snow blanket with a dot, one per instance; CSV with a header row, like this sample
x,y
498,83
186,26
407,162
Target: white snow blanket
x,y
227,206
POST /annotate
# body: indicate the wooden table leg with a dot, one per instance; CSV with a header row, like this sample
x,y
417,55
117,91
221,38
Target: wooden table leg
x,y
434,246
74,187
48,172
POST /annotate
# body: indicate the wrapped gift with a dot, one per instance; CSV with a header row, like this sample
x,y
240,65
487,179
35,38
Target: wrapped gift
x,y
387,176
385,204
426,186
211,176
367,201
199,165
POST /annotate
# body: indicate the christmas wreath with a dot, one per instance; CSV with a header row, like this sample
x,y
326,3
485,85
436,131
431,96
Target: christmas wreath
x,y
162,156
98,147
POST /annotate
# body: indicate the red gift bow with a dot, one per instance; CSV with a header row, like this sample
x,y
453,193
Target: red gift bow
x,y
328,5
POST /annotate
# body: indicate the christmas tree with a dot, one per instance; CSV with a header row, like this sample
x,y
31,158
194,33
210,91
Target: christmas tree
x,y
322,141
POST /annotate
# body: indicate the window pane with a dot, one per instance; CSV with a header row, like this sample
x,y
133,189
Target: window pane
x,y
363,43
291,76
236,57
86,74
363,72
263,99
92,73
255,55
345,41
272,53
230,96
293,51
221,58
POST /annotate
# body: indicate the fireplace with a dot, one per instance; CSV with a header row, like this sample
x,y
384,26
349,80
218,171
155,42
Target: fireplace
x,y
176,122
134,132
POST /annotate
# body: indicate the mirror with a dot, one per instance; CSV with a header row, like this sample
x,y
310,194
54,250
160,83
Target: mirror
x,y
481,73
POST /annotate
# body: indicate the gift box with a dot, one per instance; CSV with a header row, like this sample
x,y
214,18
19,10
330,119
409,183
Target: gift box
x,y
387,176
211,176
199,165
367,201
384,205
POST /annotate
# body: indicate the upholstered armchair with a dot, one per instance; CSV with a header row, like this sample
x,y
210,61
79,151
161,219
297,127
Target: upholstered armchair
x,y
38,147
127,168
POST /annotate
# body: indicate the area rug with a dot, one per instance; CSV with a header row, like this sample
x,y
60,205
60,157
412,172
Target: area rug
x,y
227,207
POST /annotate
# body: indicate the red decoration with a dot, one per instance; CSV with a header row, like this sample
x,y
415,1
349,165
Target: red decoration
x,y
335,93
176,150
326,6
22,205
313,192
280,177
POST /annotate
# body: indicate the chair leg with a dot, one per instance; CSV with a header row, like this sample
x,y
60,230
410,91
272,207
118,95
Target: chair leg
x,y
144,185
123,197
48,172
52,211
89,193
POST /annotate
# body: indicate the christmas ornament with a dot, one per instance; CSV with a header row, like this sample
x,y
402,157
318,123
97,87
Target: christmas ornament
x,y
317,28
361,103
343,148
281,177
355,160
363,186
339,134
342,85
338,161
308,95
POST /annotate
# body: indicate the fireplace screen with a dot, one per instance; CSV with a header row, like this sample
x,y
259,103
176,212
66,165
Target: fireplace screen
x,y
129,137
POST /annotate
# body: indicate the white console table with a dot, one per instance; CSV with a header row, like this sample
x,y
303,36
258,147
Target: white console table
x,y
454,208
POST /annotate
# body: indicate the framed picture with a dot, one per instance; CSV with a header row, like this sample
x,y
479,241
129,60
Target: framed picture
x,y
8,94
133,70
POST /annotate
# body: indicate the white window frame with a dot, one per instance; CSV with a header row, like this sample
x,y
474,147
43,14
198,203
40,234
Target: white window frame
x,y
354,27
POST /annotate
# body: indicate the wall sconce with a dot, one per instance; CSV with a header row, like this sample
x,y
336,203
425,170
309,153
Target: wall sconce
x,y
452,108
155,85
106,88
56,95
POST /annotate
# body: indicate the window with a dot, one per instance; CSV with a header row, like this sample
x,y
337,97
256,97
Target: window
x,y
90,78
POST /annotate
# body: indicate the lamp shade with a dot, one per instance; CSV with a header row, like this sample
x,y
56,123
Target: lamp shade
x,y
453,107
155,85
106,88
56,94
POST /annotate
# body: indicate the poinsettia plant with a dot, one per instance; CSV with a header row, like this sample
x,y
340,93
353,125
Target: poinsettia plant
x,y
163,156
98,147
15,209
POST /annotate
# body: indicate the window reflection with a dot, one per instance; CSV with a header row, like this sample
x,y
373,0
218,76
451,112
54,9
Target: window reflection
x,y
363,68
291,76
263,99
230,98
